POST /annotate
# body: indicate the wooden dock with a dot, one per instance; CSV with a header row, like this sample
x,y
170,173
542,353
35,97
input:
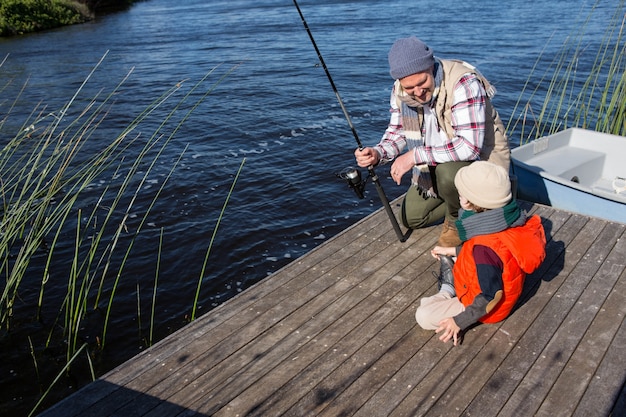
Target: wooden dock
x,y
333,333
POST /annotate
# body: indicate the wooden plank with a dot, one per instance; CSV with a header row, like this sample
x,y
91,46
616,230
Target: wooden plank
x,y
596,315
383,403
551,357
478,374
337,343
332,381
522,334
254,313
501,343
333,333
146,370
293,293
597,399
274,325
619,409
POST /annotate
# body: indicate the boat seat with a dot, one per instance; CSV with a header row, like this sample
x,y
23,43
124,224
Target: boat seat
x,y
579,165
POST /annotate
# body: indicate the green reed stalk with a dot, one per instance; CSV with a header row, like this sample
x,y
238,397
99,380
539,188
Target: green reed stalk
x,y
593,99
41,183
208,252
32,354
59,376
33,183
156,284
183,119
40,186
138,310
122,226
75,305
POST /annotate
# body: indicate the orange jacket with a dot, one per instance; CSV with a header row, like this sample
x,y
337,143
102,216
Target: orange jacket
x,y
521,249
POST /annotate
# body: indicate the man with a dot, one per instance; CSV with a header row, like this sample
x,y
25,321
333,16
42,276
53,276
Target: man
x,y
441,112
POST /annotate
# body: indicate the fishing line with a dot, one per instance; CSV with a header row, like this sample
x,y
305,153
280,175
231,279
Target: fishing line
x,y
352,175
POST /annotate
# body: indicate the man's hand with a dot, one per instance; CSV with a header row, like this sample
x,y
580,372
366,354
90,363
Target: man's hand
x,y
449,330
366,157
401,166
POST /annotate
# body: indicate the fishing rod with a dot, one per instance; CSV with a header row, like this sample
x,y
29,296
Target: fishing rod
x,y
352,175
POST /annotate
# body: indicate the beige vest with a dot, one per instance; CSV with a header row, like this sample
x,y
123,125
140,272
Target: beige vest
x,y
495,146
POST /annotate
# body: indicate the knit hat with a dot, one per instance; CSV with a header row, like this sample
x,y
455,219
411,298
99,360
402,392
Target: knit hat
x,y
409,56
484,184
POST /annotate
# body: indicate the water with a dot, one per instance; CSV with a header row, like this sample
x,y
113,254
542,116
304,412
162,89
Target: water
x,y
276,110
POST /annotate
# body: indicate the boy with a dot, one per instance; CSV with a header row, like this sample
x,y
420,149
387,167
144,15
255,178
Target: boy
x,y
500,246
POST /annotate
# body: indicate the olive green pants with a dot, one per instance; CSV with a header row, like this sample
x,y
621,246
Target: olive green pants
x,y
419,210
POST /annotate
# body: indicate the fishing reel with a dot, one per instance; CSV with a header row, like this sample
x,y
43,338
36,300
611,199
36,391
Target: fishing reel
x,y
353,177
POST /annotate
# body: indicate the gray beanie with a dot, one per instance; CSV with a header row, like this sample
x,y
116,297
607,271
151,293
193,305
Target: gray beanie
x,y
409,56
484,184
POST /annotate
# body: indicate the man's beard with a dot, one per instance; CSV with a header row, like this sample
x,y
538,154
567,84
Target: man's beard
x,y
426,102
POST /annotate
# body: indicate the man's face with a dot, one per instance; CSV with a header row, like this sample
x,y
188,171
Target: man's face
x,y
419,86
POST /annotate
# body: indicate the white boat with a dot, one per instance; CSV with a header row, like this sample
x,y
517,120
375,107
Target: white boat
x,y
577,170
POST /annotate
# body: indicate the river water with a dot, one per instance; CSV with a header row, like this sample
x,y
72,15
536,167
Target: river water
x,y
276,110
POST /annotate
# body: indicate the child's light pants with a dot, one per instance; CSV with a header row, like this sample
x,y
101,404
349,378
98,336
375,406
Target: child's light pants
x,y
435,308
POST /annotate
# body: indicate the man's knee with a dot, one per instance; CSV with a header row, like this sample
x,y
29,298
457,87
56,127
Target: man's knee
x,y
445,178
411,220
419,211
445,186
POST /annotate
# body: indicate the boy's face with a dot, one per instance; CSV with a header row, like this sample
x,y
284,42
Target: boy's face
x,y
465,204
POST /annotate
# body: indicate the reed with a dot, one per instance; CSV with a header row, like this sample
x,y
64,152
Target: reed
x,y
208,251
564,92
154,288
60,375
47,195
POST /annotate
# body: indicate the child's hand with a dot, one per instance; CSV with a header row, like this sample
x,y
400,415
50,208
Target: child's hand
x,y
442,250
449,330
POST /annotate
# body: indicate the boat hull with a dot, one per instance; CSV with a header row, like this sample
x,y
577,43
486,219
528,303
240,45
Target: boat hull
x,y
577,170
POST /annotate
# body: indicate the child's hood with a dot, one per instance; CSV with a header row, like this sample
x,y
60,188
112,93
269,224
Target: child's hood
x,y
527,244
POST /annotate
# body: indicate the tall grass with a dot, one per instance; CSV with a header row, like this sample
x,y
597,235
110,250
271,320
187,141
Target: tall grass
x,y
48,201
563,93
23,16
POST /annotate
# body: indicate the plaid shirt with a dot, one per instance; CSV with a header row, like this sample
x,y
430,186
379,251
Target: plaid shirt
x,y
468,122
